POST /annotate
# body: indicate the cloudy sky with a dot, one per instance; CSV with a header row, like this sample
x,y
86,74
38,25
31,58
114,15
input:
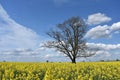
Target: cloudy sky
x,y
23,24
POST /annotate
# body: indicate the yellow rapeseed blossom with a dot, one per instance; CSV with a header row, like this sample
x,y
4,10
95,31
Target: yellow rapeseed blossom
x,y
60,71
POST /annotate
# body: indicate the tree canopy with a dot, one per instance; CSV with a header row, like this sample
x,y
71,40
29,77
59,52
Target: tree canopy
x,y
68,38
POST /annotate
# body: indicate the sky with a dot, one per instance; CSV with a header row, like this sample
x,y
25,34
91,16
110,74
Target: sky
x,y
24,23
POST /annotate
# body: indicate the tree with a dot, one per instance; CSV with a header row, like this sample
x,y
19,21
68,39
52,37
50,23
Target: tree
x,y
117,59
68,38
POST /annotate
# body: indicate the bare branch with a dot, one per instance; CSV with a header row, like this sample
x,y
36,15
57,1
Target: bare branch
x,y
68,38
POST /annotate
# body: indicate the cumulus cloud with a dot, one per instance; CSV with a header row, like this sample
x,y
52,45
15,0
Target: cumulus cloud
x,y
97,18
35,55
104,31
105,52
115,27
98,31
14,35
101,55
102,46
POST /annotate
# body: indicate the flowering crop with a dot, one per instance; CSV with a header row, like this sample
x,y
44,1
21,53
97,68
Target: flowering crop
x,y
60,71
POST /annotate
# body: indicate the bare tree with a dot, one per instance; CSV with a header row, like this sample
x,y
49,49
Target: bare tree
x,y
68,38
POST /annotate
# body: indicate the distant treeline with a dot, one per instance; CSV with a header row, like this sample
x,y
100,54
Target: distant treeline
x,y
109,60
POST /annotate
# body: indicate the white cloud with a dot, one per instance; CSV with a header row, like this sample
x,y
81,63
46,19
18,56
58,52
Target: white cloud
x,y
102,52
47,56
100,55
115,27
17,52
102,46
31,55
98,32
51,55
13,35
117,32
97,18
105,52
104,31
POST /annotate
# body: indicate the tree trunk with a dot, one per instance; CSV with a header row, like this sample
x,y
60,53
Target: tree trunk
x,y
74,60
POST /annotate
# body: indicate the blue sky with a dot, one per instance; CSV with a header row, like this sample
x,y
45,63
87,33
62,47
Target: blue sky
x,y
23,25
